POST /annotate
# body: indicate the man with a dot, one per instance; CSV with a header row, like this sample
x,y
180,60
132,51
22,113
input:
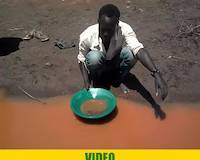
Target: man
x,y
111,48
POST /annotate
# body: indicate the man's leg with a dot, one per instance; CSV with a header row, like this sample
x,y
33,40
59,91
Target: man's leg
x,y
94,63
127,60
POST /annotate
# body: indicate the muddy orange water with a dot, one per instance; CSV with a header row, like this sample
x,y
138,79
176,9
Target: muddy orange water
x,y
28,124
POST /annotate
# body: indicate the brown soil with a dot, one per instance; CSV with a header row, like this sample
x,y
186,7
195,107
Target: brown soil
x,y
44,70
93,107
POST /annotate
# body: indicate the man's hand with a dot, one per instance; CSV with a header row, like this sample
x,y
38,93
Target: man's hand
x,y
85,76
160,86
118,38
87,86
159,113
116,43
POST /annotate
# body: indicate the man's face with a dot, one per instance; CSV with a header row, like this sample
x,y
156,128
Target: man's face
x,y
107,27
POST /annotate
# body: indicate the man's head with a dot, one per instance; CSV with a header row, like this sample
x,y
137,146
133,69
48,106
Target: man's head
x,y
108,20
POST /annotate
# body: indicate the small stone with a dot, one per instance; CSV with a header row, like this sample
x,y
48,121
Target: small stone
x,y
141,10
128,2
48,64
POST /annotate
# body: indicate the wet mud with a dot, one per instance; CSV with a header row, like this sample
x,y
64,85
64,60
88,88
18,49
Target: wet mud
x,y
28,124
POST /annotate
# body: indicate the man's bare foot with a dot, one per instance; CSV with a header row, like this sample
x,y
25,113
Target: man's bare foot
x,y
159,113
124,88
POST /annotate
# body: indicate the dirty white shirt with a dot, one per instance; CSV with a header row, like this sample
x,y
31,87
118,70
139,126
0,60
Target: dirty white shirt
x,y
90,40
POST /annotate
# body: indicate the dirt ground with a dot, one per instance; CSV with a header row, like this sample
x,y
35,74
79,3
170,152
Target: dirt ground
x,y
44,70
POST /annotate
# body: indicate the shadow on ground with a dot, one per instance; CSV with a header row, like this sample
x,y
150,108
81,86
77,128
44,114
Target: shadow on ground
x,y
132,83
9,45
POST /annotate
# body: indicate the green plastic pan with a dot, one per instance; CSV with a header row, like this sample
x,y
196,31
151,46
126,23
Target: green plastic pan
x,y
93,93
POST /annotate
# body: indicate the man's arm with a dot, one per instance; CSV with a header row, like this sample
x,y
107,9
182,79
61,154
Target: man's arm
x,y
144,57
85,75
83,50
115,45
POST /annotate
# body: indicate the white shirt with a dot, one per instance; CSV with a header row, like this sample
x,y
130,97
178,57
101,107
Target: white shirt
x,y
90,40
